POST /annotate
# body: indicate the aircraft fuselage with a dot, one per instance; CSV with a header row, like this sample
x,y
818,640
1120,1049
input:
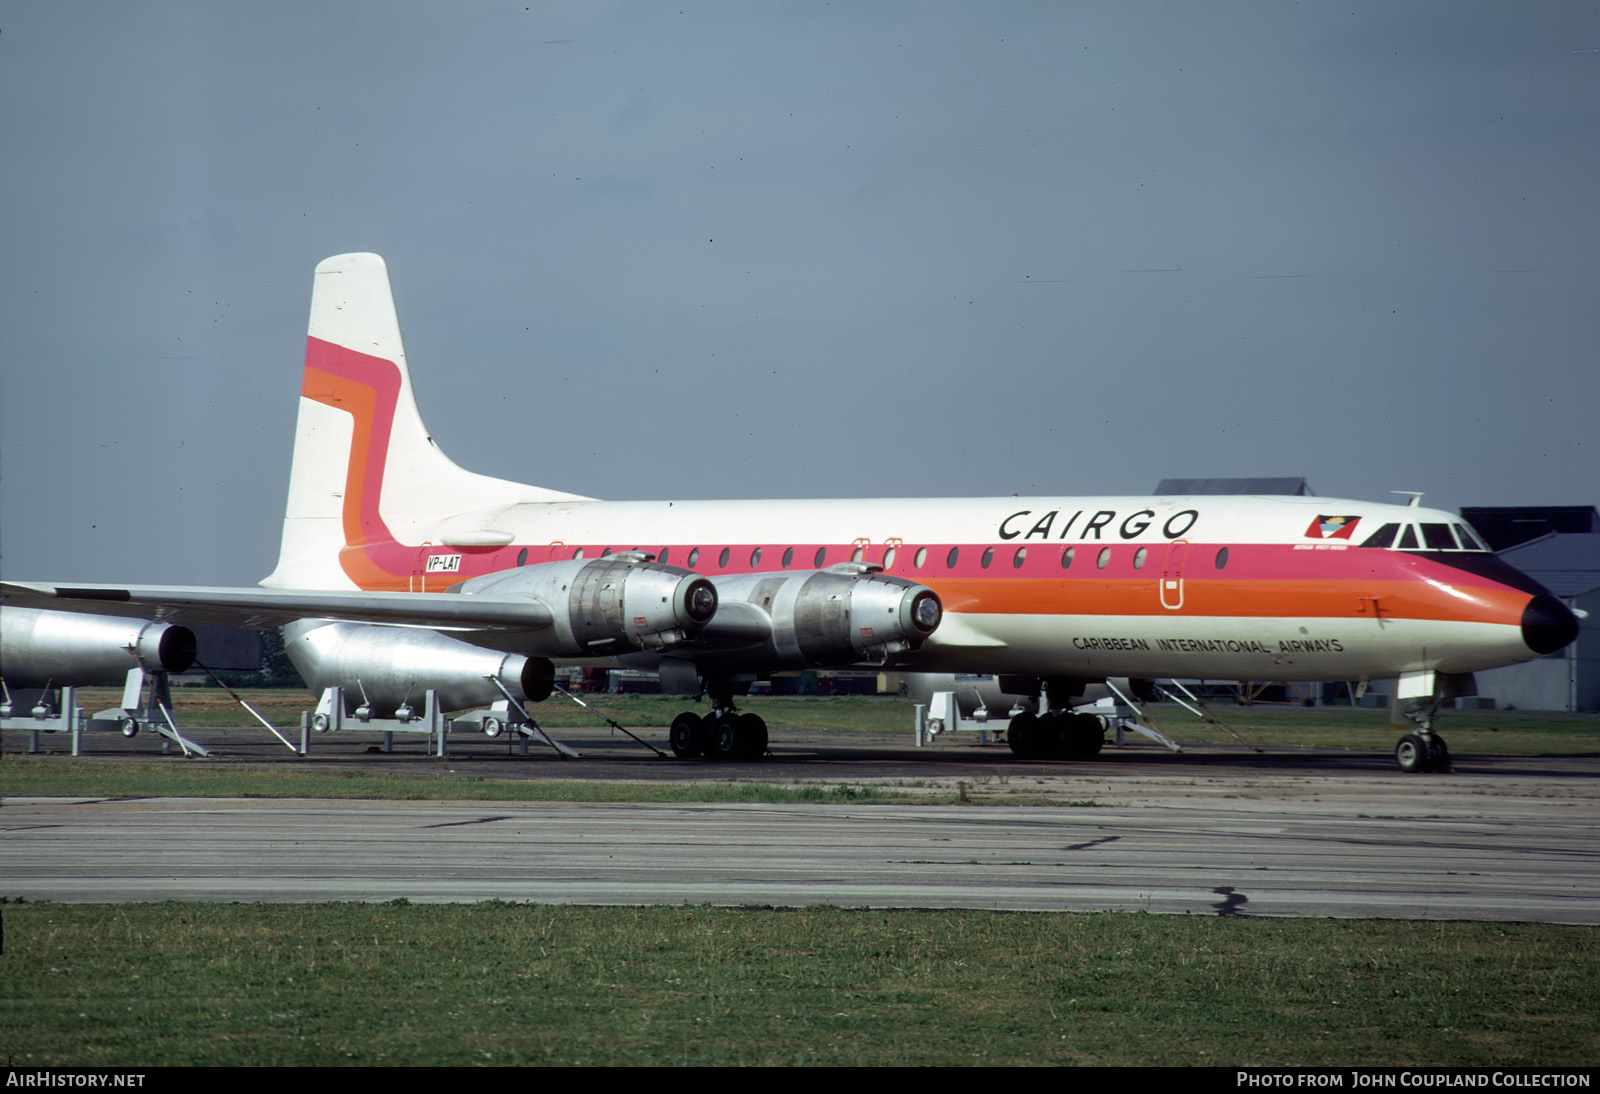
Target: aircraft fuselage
x,y
1260,588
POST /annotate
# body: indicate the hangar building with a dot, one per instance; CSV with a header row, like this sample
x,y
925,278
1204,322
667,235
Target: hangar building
x,y
1560,549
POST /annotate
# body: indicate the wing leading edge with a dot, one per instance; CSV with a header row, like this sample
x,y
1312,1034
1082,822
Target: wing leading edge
x,y
261,609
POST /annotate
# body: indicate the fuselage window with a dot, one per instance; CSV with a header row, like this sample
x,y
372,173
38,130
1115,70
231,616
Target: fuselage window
x,y
788,557
1138,558
1438,537
822,553
662,557
888,558
1067,556
755,558
921,557
1222,558
988,557
855,556
1105,557
950,559
1019,558
1469,542
1408,539
1383,537
694,558
606,553
577,552
722,559
522,557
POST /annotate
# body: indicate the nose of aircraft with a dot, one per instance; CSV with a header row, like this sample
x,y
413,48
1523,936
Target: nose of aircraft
x,y
1548,624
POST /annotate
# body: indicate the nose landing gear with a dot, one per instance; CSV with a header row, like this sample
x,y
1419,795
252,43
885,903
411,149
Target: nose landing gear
x,y
1425,751
1416,706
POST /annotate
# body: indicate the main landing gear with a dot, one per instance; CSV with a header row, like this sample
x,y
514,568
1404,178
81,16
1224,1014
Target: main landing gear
x,y
724,734
1059,735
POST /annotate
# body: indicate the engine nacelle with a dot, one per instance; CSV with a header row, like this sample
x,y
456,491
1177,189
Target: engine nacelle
x,y
605,607
390,666
63,649
840,616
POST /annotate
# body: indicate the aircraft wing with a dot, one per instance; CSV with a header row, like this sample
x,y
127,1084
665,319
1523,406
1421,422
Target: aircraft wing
x,y
261,609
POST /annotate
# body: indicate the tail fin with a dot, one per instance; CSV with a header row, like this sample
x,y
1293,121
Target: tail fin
x,y
368,483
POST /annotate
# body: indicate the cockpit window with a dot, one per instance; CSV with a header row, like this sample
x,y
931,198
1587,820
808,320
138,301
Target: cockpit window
x,y
1439,537
1435,537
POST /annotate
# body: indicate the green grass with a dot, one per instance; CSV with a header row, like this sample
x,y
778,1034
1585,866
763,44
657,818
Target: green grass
x,y
1497,733
282,706
831,714
496,984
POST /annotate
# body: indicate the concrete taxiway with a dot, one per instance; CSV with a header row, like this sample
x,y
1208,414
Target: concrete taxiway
x,y
1218,830
1508,849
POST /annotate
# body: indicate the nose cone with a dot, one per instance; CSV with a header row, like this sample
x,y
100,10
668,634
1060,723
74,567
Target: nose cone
x,y
1547,624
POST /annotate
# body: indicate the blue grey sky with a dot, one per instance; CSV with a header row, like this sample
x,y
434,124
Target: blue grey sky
x,y
731,250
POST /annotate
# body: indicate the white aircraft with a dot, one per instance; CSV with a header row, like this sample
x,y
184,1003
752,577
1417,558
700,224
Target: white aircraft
x,y
401,571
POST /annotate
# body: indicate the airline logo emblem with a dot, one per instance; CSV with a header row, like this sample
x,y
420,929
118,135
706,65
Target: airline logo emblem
x,y
1332,527
444,564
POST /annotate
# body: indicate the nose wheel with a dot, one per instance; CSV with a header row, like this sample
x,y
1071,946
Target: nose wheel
x,y
1419,752
1422,749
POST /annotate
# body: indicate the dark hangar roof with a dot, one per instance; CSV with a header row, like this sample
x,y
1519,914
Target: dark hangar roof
x,y
1508,525
1185,487
1566,563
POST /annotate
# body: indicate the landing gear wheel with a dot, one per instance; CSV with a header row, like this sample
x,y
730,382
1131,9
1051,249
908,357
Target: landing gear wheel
x,y
1438,754
1411,754
129,727
1027,736
725,737
738,737
1042,730
491,727
1081,735
1055,736
687,735
750,734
